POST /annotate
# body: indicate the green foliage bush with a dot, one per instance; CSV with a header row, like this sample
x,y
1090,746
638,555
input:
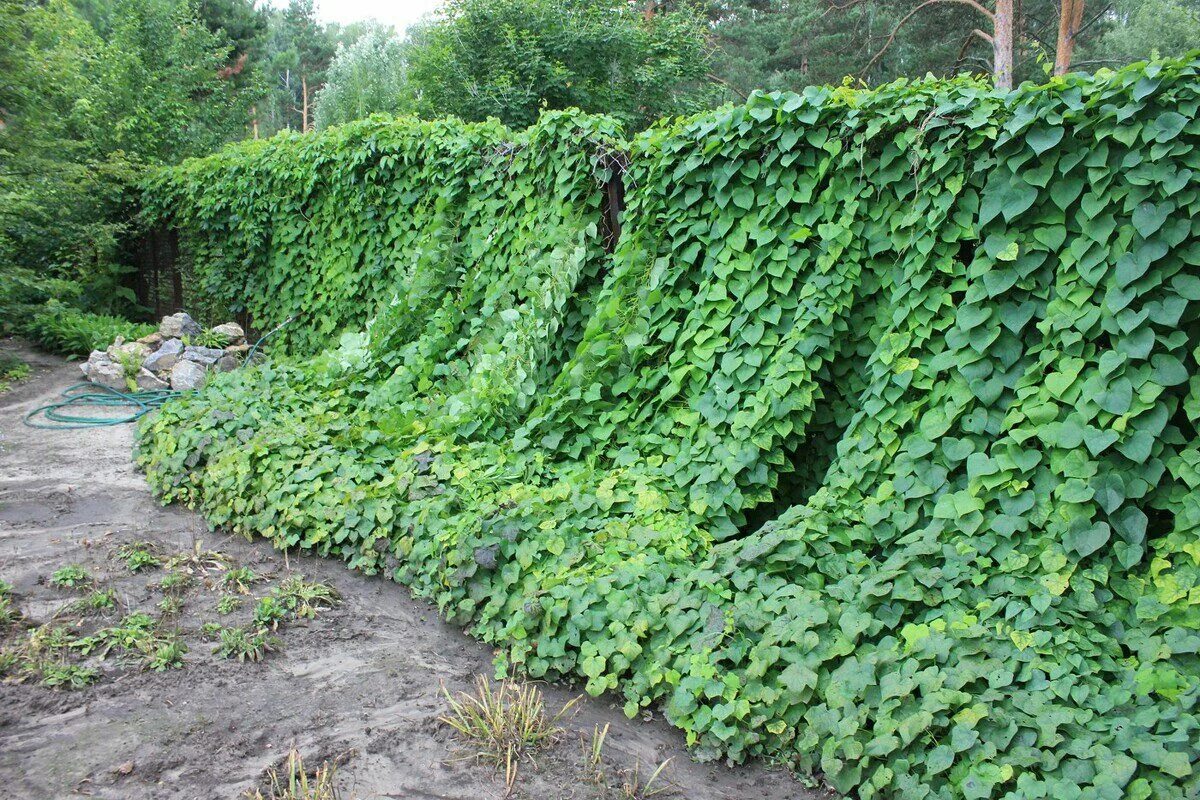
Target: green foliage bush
x,y
511,59
66,330
874,446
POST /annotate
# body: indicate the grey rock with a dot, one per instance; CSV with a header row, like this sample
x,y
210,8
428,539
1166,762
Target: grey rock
x,y
187,375
231,332
177,325
152,340
108,373
94,358
227,363
148,381
203,355
165,356
128,351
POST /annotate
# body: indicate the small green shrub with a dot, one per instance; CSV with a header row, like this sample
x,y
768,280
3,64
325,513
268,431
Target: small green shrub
x,y
12,371
139,556
246,645
9,613
206,338
305,598
268,613
68,676
228,604
68,331
240,579
171,605
164,654
97,600
175,582
134,633
72,576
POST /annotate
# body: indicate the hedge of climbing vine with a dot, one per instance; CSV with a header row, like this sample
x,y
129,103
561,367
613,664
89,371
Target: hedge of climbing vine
x,y
326,230
873,447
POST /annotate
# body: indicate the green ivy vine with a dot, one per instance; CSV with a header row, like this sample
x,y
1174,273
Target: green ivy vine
x,y
873,447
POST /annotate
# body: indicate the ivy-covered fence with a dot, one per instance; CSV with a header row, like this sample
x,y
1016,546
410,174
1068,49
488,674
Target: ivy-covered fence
x,y
873,447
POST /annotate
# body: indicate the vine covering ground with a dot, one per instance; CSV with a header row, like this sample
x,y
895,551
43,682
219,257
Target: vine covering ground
x,y
873,446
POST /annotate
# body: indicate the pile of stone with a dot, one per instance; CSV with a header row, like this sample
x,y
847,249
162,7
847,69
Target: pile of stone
x,y
171,358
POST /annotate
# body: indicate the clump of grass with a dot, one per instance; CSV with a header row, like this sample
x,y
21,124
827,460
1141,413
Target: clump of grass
x,y
11,660
305,598
134,633
245,645
67,676
504,723
49,641
240,579
9,613
295,783
205,339
637,787
197,561
139,556
593,754
164,654
228,604
43,657
170,605
72,576
12,370
97,600
175,582
268,613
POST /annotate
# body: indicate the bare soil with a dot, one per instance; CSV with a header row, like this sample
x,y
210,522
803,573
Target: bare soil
x,y
360,684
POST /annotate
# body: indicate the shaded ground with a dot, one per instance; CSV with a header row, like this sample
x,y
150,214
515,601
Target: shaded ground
x,y
360,683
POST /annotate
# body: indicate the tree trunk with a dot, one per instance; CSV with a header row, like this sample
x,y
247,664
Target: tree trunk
x,y
304,111
254,119
1068,28
1002,44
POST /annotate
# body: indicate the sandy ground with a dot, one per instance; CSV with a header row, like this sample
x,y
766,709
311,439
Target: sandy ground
x,y
359,684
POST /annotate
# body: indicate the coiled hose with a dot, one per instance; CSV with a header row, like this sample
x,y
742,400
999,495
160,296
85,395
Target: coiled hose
x,y
72,411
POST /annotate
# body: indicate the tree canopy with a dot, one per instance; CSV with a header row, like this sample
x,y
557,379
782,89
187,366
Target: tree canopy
x,y
511,58
94,91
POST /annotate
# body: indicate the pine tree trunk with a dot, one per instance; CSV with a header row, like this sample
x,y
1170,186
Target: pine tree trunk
x,y
1002,44
1068,28
304,94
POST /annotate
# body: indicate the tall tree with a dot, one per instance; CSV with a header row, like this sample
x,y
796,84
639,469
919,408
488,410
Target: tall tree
x,y
368,76
510,58
792,43
291,61
92,95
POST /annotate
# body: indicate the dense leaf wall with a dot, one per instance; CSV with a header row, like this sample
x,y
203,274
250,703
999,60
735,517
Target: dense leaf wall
x,y
874,446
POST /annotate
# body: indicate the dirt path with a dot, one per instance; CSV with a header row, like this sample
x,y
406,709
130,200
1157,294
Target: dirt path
x,y
361,682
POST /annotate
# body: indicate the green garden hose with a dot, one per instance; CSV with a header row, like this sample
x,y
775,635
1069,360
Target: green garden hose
x,y
69,412
66,413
